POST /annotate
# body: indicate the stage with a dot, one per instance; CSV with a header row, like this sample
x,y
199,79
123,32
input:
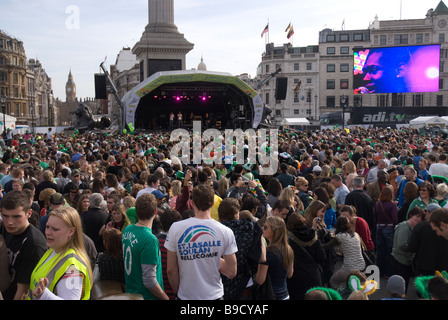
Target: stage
x,y
218,100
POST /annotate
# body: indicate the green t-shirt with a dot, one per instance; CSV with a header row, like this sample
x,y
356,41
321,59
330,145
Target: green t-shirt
x,y
140,247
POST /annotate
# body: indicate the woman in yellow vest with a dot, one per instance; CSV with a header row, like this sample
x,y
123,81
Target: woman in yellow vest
x,y
64,272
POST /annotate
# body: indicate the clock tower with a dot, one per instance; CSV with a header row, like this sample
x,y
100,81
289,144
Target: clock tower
x,y
70,89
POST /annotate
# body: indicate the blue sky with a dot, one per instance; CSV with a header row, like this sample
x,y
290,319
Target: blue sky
x,y
227,33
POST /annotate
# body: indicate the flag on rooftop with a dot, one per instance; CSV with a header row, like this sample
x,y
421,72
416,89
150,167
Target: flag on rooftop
x,y
288,27
290,33
266,29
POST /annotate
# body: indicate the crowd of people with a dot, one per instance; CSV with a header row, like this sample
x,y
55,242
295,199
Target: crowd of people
x,y
77,209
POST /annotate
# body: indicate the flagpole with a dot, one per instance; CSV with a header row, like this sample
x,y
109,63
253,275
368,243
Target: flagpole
x,y
269,27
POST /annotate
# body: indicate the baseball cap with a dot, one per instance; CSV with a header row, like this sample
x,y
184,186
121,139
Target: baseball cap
x,y
396,284
76,172
159,194
57,198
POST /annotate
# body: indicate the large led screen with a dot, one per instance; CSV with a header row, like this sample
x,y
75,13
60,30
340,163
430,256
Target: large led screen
x,y
396,69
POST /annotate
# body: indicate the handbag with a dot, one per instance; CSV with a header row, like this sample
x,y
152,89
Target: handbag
x,y
365,256
264,291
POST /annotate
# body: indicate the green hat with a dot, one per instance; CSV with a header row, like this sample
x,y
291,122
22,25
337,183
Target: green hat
x,y
44,165
331,294
180,174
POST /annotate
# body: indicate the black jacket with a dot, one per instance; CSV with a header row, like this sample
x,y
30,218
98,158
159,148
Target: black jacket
x,y
309,256
431,250
248,239
92,221
363,204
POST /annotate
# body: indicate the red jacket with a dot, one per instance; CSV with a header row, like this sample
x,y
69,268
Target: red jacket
x,y
183,201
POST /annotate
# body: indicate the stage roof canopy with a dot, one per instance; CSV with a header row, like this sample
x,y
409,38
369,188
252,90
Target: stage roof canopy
x,y
191,80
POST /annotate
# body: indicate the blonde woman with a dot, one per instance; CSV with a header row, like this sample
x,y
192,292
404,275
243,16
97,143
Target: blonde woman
x,y
315,213
64,272
348,167
277,259
349,173
176,189
302,186
288,195
223,186
128,202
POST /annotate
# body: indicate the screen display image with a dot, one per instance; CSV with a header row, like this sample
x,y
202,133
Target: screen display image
x,y
396,69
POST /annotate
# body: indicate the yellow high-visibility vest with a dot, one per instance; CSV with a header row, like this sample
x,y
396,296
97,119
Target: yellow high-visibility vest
x,y
55,268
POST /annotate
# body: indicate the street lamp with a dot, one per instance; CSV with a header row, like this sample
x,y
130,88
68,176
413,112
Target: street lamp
x,y
32,117
3,100
309,101
343,105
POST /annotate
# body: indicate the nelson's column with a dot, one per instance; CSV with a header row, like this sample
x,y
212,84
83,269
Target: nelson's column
x,y
162,47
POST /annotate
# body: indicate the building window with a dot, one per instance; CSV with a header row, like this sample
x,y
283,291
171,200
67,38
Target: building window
x,y
345,50
439,100
344,37
2,76
345,67
440,84
296,66
296,111
417,100
382,101
344,83
331,38
383,39
331,102
309,80
278,113
357,102
401,39
358,37
397,100
331,67
442,37
267,68
419,38
267,97
331,84
309,66
331,50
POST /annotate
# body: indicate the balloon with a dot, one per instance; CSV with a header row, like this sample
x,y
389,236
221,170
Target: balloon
x,y
125,131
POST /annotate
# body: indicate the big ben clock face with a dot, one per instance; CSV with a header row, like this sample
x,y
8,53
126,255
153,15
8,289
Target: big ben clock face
x,y
69,89
442,23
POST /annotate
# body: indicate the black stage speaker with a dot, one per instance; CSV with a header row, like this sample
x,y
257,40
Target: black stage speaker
x,y
282,86
100,86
